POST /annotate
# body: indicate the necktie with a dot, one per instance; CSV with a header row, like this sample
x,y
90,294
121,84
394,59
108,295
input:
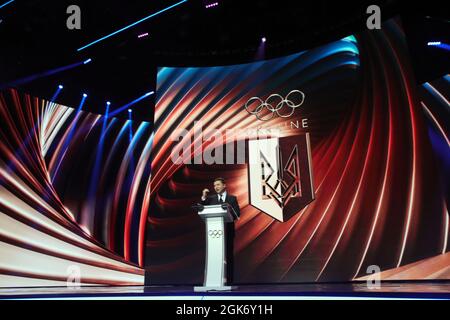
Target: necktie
x,y
220,199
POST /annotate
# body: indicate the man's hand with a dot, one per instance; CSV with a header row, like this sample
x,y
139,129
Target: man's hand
x,y
205,194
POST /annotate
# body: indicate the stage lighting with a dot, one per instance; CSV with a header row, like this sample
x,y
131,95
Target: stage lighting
x,y
85,229
211,5
439,44
108,103
6,3
84,95
87,61
47,73
129,110
124,107
261,51
132,25
143,35
57,92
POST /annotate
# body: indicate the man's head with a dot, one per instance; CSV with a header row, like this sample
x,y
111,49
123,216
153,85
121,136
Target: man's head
x,y
219,185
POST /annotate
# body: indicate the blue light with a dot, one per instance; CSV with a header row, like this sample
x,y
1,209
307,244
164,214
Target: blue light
x,y
350,39
130,131
130,111
107,109
33,77
444,46
6,3
68,140
56,94
131,25
87,61
439,44
131,103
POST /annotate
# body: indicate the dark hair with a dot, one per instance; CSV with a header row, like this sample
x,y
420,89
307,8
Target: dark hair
x,y
219,179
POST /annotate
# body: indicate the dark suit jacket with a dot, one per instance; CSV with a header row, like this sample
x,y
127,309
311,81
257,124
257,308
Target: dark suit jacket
x,y
229,231
230,199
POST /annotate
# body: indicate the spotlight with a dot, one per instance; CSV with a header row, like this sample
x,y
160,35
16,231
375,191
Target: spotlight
x,y
6,3
85,229
87,61
128,105
132,25
439,44
261,51
57,92
211,5
84,95
129,110
108,103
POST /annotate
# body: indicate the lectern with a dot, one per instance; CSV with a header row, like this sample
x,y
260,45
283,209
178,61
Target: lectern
x,y
215,217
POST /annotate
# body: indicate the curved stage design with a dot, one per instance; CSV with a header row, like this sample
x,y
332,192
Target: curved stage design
x,y
97,198
48,232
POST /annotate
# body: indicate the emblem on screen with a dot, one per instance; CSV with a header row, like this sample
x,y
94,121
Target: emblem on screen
x,y
287,182
275,105
280,175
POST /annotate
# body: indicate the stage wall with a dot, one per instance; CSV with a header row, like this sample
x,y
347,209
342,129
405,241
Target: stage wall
x,y
379,196
100,198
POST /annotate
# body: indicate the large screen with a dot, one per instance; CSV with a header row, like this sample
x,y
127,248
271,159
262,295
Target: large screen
x,y
339,162
328,153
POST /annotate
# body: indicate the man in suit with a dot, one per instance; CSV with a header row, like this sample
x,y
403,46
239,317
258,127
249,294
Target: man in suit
x,y
222,196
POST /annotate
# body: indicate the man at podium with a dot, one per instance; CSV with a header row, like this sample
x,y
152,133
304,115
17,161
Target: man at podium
x,y
222,196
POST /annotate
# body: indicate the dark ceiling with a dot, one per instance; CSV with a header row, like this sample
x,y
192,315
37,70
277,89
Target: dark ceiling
x,y
35,40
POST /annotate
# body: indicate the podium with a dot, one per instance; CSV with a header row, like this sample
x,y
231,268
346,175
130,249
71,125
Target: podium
x,y
215,217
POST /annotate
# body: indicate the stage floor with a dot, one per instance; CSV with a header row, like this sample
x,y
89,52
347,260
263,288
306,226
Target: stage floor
x,y
391,290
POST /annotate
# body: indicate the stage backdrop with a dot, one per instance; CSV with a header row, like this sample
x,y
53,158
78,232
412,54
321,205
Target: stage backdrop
x,y
98,199
72,186
368,193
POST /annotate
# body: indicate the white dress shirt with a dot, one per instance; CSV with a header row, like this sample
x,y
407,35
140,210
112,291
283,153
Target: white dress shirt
x,y
223,195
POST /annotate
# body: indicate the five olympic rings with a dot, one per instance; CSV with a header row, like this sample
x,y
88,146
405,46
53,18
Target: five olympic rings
x,y
274,104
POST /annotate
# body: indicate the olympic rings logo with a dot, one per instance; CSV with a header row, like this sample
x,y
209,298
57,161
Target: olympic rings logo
x,y
275,103
215,233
